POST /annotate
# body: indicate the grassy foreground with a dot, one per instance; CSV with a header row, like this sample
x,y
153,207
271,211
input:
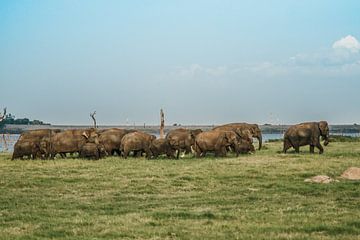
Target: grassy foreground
x,y
260,196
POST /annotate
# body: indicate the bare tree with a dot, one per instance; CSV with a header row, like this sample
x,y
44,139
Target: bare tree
x,y
162,121
92,115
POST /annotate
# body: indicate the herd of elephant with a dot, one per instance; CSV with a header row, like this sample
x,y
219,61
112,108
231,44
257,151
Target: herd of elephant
x,y
94,143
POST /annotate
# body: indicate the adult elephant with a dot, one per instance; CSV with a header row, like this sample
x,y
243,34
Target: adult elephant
x,y
35,137
68,141
216,141
136,142
241,128
182,139
308,133
111,139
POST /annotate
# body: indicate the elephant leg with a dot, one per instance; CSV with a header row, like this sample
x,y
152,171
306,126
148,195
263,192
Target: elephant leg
x,y
203,154
297,149
188,150
118,152
321,149
148,153
126,153
287,145
312,148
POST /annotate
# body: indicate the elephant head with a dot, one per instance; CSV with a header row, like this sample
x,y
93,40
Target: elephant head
x,y
45,145
102,151
231,138
256,133
324,131
246,134
91,135
195,132
152,138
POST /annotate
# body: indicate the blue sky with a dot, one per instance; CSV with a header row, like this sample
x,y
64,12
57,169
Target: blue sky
x,y
203,62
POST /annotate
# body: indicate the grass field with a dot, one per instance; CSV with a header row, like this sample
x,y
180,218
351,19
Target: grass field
x,y
259,196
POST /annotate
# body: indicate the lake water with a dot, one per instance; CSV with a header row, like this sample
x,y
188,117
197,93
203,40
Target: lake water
x,y
12,138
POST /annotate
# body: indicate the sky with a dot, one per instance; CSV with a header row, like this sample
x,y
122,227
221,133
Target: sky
x,y
203,62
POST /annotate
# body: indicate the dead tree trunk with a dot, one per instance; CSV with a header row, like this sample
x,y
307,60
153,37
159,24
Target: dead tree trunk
x,y
92,115
162,121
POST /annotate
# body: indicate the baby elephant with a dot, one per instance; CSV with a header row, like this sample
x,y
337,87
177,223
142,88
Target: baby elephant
x,y
26,147
92,151
161,146
245,146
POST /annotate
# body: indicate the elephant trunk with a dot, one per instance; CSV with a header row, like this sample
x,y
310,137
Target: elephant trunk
x,y
259,137
326,140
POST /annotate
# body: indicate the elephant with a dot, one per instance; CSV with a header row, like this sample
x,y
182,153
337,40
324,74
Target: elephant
x,y
161,146
307,133
182,139
240,128
36,137
92,151
111,139
25,147
245,146
136,141
68,141
216,141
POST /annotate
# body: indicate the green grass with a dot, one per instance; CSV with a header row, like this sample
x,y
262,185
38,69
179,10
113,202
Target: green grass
x,y
259,196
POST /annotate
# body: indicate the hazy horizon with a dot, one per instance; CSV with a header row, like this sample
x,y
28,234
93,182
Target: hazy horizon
x,y
203,62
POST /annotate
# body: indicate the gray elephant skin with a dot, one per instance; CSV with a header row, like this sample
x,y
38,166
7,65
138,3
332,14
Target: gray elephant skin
x,y
241,128
308,133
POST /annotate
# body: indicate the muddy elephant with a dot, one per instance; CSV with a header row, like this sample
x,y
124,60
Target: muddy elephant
x,y
161,146
68,141
216,141
308,133
136,142
111,139
92,151
241,128
182,139
26,147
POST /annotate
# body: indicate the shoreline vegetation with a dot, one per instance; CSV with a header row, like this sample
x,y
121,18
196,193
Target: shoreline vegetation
x,y
154,129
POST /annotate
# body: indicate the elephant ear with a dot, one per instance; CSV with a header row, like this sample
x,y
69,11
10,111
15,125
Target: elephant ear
x,y
229,136
323,126
85,134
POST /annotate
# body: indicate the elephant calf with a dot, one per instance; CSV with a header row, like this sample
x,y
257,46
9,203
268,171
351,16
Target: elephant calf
x,y
26,147
161,146
92,151
308,133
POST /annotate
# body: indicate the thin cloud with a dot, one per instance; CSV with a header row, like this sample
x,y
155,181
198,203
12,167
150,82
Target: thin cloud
x,y
349,43
340,60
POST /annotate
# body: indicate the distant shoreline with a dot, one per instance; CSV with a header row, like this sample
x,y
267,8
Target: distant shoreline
x,y
154,129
